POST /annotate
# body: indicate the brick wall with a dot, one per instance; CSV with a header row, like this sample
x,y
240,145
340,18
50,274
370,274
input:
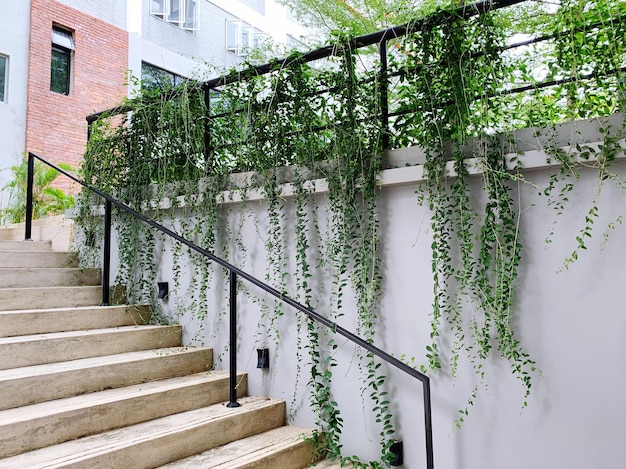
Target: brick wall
x,y
55,124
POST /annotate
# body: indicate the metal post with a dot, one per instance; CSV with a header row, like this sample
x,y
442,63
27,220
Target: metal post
x,y
106,254
207,127
30,176
384,94
233,340
428,425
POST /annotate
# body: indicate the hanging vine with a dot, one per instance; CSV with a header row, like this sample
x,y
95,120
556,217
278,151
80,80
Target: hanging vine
x,y
451,89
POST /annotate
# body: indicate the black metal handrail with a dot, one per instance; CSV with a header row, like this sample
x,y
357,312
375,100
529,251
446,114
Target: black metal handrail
x,y
234,273
381,39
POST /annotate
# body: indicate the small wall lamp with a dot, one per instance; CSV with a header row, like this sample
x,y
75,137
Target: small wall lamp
x,y
397,450
263,358
164,290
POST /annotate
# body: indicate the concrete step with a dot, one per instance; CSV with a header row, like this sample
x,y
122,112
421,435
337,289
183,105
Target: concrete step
x,y
40,383
282,447
42,321
24,259
39,349
160,441
49,297
11,233
20,277
56,229
25,245
49,423
328,464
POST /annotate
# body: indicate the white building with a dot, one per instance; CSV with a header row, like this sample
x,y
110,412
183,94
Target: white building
x,y
166,40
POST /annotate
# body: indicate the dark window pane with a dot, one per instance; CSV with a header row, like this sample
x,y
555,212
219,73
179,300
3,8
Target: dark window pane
x,y
3,74
154,77
60,71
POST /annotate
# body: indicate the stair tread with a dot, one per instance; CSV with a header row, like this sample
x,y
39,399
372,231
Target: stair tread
x,y
16,245
247,450
21,277
20,322
39,258
94,446
37,349
40,383
328,464
49,297
77,309
93,362
40,425
38,253
80,333
94,399
70,287
37,269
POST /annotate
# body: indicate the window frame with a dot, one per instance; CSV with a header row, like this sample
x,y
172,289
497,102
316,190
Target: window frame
x,y
62,45
4,80
176,79
252,35
181,16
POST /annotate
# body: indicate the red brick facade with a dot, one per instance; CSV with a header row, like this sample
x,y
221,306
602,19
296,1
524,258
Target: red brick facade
x,y
55,125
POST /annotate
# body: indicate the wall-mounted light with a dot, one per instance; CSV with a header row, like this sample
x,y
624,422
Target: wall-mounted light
x,y
263,358
164,290
397,450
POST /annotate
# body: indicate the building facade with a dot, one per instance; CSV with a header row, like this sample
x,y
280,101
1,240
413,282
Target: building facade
x,y
61,60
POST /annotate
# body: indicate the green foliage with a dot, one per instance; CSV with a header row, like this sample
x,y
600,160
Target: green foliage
x,y
358,17
449,90
47,200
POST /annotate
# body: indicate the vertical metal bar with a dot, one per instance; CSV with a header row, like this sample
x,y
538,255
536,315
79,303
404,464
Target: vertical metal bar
x,y
106,254
233,340
384,94
30,176
207,129
428,426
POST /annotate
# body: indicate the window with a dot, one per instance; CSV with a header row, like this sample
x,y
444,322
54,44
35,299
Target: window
x,y
4,73
241,38
182,13
156,78
61,66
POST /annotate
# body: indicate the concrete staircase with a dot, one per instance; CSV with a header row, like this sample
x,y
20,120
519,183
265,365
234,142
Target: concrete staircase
x,y
86,386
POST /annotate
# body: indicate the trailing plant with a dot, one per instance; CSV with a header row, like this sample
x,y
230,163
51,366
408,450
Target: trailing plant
x,y
449,87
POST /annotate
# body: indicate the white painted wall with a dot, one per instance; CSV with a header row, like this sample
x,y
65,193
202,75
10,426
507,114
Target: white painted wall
x,y
572,323
202,53
14,44
111,11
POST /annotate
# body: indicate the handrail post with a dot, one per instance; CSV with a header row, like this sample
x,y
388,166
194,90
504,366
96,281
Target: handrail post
x,y
384,94
233,340
106,254
30,176
428,425
207,128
